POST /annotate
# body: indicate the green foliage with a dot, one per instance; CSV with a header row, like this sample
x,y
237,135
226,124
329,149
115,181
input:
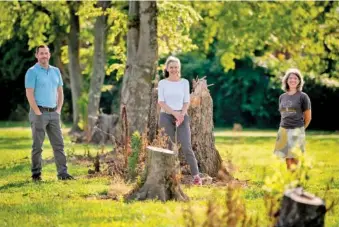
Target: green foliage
x,y
242,47
306,38
175,20
116,43
38,20
247,95
8,18
134,156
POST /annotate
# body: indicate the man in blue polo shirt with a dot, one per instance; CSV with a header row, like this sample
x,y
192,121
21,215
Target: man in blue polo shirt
x,y
44,92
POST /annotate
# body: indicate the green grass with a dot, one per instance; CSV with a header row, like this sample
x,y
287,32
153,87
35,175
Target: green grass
x,y
74,203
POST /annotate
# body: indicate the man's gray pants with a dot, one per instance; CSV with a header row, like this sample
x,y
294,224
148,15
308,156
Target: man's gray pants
x,y
47,122
167,121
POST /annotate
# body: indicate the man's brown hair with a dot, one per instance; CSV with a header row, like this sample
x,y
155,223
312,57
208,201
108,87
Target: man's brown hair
x,y
40,46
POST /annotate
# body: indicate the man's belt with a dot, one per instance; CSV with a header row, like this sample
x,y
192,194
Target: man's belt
x,y
47,109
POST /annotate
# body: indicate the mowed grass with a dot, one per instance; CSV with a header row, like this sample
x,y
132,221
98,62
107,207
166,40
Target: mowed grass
x,y
76,203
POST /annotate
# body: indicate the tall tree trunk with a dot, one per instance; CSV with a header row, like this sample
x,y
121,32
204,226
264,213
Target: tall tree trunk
x,y
74,61
98,74
142,56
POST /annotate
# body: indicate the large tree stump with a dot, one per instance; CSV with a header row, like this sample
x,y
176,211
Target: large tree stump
x,y
163,177
201,122
301,209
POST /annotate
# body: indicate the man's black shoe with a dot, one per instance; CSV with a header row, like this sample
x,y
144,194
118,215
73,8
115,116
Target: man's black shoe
x,y
65,176
36,177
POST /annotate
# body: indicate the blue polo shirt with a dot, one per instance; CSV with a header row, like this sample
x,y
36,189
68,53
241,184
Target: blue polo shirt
x,y
45,83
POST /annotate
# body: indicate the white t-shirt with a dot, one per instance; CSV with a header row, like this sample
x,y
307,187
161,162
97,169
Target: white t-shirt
x,y
174,93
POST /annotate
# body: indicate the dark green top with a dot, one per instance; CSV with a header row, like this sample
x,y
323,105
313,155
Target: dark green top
x,y
292,108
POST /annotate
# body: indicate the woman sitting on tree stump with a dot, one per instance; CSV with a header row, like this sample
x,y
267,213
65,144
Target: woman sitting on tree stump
x,y
173,98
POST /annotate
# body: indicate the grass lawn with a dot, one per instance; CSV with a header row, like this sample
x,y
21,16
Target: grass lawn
x,y
75,203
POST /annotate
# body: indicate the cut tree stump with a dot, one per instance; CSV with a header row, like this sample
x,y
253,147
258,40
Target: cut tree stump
x,y
201,123
163,177
301,209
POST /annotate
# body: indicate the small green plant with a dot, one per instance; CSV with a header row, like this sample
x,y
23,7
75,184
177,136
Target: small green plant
x,y
231,213
136,144
70,150
87,151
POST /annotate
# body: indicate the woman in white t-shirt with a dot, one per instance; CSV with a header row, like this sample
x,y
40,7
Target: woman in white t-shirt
x,y
174,98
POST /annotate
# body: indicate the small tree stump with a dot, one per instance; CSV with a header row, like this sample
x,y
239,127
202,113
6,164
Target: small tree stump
x,y
301,209
163,177
103,131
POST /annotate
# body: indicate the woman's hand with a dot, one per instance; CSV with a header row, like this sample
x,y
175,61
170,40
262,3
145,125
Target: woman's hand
x,y
179,118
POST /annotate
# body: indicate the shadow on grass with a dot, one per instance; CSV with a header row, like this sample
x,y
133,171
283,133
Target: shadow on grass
x,y
22,183
17,143
15,147
14,185
13,168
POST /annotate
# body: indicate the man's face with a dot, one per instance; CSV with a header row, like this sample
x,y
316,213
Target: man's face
x,y
43,55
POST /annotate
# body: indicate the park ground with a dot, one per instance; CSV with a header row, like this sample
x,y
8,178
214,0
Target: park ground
x,y
80,203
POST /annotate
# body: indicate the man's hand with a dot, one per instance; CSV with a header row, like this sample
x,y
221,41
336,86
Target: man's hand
x,y
58,111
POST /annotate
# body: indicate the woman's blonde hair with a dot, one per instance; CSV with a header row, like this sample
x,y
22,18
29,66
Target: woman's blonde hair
x,y
168,61
296,72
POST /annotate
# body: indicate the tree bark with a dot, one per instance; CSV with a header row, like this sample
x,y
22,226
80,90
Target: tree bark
x,y
153,118
201,116
58,61
162,182
98,74
74,61
301,209
142,56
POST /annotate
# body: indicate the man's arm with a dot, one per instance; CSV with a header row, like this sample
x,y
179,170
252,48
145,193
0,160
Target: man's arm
x,y
60,100
31,100
307,117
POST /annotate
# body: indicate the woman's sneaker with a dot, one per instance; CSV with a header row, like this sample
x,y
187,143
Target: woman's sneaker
x,y
65,176
197,180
